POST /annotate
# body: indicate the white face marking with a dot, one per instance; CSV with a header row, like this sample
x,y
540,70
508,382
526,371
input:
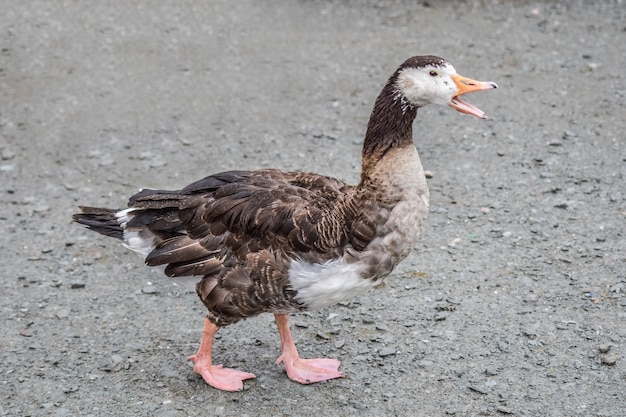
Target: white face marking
x,y
430,84
322,285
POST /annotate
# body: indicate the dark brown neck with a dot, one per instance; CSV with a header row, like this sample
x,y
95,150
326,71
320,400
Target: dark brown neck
x,y
390,126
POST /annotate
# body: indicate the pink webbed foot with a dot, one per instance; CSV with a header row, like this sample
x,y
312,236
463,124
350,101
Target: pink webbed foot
x,y
309,371
304,371
217,376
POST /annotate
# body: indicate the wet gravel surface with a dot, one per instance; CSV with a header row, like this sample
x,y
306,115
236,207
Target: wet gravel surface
x,y
513,303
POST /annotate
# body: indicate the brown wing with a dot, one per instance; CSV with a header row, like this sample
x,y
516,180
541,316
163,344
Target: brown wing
x,y
297,212
239,229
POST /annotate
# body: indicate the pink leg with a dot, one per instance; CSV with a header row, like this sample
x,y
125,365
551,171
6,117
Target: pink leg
x,y
304,371
216,376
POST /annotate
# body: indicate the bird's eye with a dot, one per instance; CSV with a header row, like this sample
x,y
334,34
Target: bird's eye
x,y
433,73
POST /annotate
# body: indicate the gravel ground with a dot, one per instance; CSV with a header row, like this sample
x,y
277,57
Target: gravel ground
x,y
513,303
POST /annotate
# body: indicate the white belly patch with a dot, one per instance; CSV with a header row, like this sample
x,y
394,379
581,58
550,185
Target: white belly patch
x,y
321,285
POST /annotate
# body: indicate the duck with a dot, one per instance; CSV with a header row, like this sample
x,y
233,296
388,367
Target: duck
x,y
271,241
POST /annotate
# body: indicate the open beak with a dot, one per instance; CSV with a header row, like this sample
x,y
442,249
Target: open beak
x,y
467,85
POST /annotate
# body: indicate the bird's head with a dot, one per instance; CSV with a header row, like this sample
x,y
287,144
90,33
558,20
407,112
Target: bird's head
x,y
422,80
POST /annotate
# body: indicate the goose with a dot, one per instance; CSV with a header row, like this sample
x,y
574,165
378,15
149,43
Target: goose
x,y
286,242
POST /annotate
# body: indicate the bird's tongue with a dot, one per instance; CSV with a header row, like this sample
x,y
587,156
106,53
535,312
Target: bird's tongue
x,y
465,107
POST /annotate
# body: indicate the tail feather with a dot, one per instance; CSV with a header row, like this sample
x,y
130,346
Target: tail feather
x,y
101,220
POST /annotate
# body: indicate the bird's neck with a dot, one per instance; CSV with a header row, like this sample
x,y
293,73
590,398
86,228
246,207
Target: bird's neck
x,y
390,128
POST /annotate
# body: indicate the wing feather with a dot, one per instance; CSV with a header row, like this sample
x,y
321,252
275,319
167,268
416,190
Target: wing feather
x,y
239,229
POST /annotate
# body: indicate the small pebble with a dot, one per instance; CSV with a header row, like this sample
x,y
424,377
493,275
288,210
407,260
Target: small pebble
x,y
503,346
76,285
62,313
150,289
593,66
491,371
609,360
454,242
568,134
604,348
504,410
441,316
7,154
388,351
478,389
530,298
41,208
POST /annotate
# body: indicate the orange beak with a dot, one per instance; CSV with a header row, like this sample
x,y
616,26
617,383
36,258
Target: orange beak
x,y
466,85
